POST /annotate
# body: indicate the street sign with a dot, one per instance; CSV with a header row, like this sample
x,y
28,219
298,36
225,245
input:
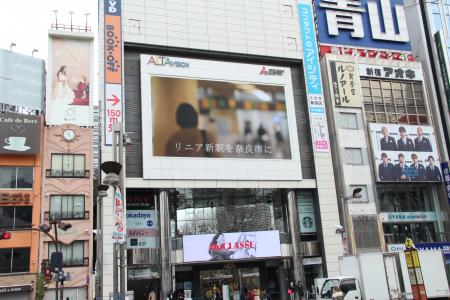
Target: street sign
x,y
409,244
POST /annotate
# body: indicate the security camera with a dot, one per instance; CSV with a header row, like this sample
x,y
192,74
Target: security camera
x,y
339,229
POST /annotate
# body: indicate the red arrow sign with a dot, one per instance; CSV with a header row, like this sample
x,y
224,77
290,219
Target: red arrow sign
x,y
115,99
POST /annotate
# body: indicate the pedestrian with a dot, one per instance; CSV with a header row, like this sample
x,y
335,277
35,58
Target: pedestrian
x,y
256,293
251,295
152,295
337,294
300,290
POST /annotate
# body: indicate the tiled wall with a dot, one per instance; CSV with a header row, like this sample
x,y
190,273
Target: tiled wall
x,y
257,27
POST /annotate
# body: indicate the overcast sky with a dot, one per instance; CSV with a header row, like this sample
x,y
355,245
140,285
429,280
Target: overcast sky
x,y
26,22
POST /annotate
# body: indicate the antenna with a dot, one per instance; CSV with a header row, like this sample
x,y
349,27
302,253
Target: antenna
x,y
55,11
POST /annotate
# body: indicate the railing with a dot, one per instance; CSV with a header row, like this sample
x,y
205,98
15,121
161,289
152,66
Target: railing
x,y
69,263
52,173
71,215
71,27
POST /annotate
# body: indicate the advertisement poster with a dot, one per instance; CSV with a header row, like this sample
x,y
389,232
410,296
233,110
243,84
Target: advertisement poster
x,y
142,229
239,115
446,173
118,217
231,246
405,153
346,85
69,81
316,105
20,134
113,66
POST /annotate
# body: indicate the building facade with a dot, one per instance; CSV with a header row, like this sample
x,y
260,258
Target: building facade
x,y
20,189
229,181
67,196
386,129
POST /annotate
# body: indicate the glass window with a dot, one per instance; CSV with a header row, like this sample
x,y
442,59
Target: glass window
x,y
353,156
380,96
16,177
396,233
410,199
14,260
349,120
73,254
226,210
68,165
67,206
15,217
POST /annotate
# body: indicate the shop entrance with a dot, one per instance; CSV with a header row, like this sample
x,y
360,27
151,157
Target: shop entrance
x,y
237,280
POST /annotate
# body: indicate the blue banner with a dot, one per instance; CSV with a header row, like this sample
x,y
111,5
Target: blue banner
x,y
310,51
113,7
444,247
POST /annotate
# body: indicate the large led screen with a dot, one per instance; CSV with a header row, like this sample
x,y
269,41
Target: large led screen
x,y
405,153
231,246
217,120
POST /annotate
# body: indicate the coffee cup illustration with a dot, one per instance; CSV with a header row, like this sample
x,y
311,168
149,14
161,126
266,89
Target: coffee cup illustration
x,y
16,143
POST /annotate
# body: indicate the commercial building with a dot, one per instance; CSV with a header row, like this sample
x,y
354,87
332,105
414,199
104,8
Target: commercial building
x,y
68,173
21,128
20,200
229,181
385,129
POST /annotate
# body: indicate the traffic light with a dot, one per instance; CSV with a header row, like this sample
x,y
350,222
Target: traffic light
x,y
5,235
48,274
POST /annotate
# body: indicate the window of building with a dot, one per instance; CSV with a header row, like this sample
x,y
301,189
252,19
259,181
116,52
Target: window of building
x,y
398,102
404,199
66,207
14,260
16,177
205,211
73,254
68,165
396,233
349,120
353,156
15,217
366,232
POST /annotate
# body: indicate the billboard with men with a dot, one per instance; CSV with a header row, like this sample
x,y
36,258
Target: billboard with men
x,y
405,153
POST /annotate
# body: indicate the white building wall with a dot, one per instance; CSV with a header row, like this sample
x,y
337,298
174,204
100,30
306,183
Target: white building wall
x,y
257,27
252,27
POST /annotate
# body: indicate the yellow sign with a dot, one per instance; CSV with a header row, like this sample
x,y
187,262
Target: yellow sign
x,y
409,244
409,262
415,258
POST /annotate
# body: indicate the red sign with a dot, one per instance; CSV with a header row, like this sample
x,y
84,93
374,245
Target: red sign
x,y
366,53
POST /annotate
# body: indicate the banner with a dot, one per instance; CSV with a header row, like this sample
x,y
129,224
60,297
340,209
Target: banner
x,y
113,66
142,229
345,84
20,134
446,173
69,97
231,246
316,102
405,153
241,116
118,217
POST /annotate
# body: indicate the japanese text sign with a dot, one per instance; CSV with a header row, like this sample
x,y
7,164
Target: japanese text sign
x,y
379,24
346,86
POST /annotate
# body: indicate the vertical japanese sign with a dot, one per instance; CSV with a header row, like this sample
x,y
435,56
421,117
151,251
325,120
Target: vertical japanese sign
x,y
414,271
446,171
443,62
318,120
118,234
113,66
346,86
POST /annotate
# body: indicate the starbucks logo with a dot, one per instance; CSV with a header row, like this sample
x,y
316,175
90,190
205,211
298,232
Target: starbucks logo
x,y
307,222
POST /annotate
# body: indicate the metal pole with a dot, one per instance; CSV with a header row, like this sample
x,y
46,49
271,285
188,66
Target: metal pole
x,y
115,273
57,274
62,289
122,186
294,228
99,268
